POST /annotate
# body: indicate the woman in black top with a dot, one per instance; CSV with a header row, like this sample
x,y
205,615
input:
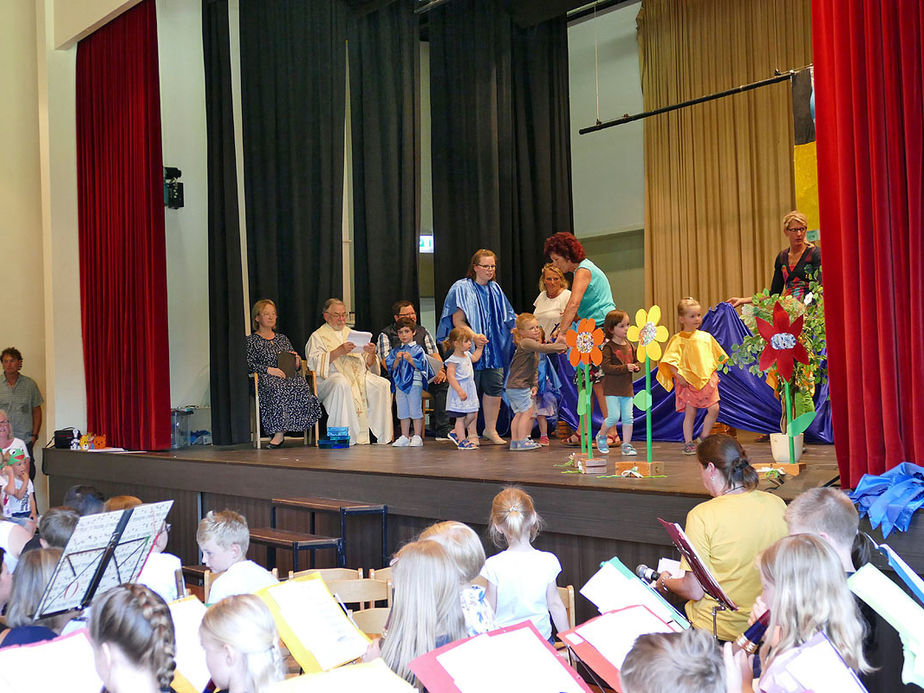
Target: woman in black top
x,y
796,265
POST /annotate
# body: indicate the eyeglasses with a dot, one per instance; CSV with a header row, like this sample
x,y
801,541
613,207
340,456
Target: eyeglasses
x,y
798,229
337,315
486,266
4,423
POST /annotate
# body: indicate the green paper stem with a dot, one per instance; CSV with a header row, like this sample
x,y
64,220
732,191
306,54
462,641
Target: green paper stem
x,y
588,412
648,410
792,442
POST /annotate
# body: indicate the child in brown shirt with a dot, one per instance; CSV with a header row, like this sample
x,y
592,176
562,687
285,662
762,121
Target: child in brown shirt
x,y
619,363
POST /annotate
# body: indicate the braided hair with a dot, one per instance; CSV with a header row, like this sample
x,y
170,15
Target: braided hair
x,y
730,460
136,620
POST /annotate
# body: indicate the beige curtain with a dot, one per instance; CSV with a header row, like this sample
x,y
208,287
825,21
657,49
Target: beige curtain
x,y
718,175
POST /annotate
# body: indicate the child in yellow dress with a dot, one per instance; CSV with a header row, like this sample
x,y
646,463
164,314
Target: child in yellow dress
x,y
690,361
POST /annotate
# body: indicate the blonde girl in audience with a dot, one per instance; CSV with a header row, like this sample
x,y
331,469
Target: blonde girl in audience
x,y
521,580
690,361
134,645
466,552
241,645
806,589
462,399
30,579
426,613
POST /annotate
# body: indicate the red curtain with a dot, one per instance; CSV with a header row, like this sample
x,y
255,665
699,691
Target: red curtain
x,y
868,94
123,274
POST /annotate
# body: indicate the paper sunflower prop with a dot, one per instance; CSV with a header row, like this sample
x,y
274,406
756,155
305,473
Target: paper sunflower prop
x,y
783,346
647,332
584,343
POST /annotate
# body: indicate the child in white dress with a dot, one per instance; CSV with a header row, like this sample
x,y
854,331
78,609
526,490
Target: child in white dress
x,y
462,399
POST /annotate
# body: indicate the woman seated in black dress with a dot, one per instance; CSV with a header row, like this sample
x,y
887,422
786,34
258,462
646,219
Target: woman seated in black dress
x,y
286,404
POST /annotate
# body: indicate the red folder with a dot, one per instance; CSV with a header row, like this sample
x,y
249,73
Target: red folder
x,y
603,667
708,583
436,679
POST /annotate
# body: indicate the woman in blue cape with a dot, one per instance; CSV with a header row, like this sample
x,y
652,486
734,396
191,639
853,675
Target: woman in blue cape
x,y
478,302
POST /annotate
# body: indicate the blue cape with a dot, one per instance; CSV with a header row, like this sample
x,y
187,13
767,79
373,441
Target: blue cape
x,y
487,312
402,377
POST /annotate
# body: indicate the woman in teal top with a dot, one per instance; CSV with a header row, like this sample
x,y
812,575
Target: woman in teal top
x,y
591,297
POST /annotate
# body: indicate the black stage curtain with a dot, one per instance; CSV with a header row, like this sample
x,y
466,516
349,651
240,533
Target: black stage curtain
x,y
501,142
293,92
384,102
227,360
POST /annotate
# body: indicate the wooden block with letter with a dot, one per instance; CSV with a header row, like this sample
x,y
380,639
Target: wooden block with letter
x,y
789,469
643,468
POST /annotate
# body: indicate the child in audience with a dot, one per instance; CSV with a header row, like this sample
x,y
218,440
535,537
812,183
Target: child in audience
x,y
690,362
466,552
410,370
241,645
56,527
18,491
523,379
521,580
121,503
224,538
86,500
806,590
160,570
462,399
548,395
619,363
827,513
425,612
133,640
685,662
30,579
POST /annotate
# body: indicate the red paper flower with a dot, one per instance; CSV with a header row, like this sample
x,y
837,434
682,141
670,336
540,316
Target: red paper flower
x,y
783,345
585,343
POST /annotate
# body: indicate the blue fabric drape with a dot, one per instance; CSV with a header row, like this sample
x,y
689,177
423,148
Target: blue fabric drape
x,y
747,401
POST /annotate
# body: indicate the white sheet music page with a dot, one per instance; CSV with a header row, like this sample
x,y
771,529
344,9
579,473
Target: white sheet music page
x,y
187,616
613,634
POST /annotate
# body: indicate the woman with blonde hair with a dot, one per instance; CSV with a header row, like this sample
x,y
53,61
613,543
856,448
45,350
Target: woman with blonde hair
x,y
286,403
33,571
134,644
806,590
241,645
554,295
426,613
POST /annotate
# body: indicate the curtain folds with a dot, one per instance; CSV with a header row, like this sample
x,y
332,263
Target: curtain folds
x,y
718,175
500,142
385,118
123,275
869,61
227,363
293,92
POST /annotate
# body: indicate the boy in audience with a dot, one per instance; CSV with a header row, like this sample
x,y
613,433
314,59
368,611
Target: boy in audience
x,y
86,500
685,662
829,514
224,538
57,526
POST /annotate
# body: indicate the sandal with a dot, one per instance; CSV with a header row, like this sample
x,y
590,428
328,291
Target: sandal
x,y
572,441
613,441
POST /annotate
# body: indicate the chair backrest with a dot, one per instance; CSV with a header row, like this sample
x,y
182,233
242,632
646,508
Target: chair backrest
x,y
380,573
371,621
567,597
363,592
328,574
480,581
207,579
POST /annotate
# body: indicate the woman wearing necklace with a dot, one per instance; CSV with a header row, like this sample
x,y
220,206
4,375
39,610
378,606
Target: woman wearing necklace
x,y
552,299
796,265
729,532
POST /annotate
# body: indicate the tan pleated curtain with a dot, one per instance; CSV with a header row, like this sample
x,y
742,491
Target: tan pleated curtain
x,y
718,175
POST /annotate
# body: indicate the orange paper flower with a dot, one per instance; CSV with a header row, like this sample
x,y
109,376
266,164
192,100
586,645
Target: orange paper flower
x,y
585,343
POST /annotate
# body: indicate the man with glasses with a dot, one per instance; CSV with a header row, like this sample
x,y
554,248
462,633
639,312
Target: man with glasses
x,y
438,387
349,387
22,401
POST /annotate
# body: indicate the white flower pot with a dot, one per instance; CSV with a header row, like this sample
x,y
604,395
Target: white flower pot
x,y
779,447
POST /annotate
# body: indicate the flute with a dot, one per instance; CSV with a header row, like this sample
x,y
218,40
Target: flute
x,y
750,639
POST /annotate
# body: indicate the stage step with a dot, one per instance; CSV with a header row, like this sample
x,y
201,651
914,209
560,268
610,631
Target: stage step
x,y
295,542
338,505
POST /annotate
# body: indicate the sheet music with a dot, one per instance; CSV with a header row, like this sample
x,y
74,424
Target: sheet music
x,y
611,589
903,570
372,676
359,339
187,616
318,622
614,634
890,602
87,546
62,664
514,661
815,666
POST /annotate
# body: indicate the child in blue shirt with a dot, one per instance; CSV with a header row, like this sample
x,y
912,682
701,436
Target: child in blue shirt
x,y
410,370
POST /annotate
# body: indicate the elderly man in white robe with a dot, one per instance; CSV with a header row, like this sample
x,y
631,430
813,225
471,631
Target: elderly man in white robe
x,y
352,392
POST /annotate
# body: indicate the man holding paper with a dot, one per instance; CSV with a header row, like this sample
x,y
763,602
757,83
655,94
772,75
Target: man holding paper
x,y
349,386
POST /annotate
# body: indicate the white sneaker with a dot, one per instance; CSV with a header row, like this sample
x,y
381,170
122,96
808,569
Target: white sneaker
x,y
402,442
416,442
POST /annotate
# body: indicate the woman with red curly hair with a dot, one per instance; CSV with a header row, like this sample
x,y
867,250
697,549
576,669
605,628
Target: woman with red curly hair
x,y
591,297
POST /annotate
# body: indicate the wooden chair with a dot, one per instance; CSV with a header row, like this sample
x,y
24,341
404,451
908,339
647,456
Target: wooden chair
x,y
567,598
199,581
380,574
371,621
363,592
309,377
329,574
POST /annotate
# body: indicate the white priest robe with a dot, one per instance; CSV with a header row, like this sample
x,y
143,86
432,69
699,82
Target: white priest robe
x,y
351,394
